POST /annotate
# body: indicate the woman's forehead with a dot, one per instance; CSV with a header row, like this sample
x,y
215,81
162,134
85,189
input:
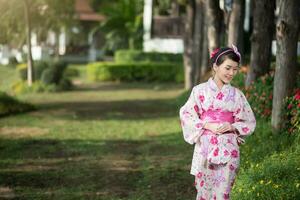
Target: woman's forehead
x,y
231,63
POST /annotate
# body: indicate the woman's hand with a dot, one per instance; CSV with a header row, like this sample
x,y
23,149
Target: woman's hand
x,y
213,127
225,127
219,128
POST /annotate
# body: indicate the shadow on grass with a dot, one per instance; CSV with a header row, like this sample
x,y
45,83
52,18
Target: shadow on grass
x,y
117,110
115,86
157,168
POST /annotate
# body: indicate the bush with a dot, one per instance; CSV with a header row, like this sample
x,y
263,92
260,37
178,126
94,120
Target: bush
x,y
22,70
39,67
45,73
260,94
140,56
21,87
292,112
9,105
71,72
143,71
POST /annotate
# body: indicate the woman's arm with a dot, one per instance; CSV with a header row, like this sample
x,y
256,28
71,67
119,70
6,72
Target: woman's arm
x,y
191,124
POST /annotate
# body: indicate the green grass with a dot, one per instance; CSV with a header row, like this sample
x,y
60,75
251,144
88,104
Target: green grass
x,y
110,141
115,141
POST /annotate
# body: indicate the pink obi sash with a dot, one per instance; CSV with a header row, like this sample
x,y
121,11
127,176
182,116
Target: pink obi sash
x,y
218,149
216,116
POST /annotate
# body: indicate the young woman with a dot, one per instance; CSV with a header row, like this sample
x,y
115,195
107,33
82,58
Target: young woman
x,y
217,118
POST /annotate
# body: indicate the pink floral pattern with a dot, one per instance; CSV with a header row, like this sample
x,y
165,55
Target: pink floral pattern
x,y
214,140
216,157
201,98
220,96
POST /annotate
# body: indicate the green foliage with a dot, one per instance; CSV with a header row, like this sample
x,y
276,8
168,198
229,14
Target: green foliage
x,y
239,80
277,177
138,55
260,94
143,71
54,73
71,72
123,25
292,112
269,171
45,15
9,105
21,87
45,73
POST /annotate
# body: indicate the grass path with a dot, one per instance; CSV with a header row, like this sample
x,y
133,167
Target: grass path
x,y
106,141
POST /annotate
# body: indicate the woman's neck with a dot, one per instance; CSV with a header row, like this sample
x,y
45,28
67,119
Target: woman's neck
x,y
218,82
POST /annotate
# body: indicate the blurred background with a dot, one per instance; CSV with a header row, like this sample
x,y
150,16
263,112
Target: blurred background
x,y
90,92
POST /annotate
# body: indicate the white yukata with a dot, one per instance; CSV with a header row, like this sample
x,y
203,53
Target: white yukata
x,y
216,157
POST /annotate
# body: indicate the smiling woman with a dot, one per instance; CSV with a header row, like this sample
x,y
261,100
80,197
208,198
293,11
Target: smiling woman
x,y
217,118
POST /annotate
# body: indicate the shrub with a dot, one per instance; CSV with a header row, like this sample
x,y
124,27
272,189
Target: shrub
x,y
45,73
292,112
9,105
71,72
21,87
260,94
143,71
22,70
39,67
140,56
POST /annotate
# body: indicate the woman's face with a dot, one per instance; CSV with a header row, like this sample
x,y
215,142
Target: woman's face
x,y
226,71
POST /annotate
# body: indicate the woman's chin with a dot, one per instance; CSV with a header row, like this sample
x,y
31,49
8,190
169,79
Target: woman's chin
x,y
226,80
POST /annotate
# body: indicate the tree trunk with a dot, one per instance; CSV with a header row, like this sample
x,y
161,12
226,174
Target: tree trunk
x,y
214,17
199,38
287,33
204,68
235,24
189,66
261,39
30,77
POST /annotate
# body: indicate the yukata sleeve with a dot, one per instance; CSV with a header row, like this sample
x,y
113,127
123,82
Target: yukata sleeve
x,y
244,119
191,124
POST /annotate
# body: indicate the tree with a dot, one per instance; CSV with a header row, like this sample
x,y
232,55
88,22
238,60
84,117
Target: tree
x,y
235,23
214,17
123,26
199,37
32,15
261,39
30,76
188,54
287,34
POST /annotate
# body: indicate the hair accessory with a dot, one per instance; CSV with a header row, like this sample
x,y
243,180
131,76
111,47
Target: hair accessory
x,y
233,48
236,51
214,52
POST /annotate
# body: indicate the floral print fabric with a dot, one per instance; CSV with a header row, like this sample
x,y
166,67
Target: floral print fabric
x,y
216,157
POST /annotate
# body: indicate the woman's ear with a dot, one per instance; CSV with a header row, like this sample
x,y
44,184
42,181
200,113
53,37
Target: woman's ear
x,y
215,67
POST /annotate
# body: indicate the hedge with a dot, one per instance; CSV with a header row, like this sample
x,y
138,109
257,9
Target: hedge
x,y
141,71
140,56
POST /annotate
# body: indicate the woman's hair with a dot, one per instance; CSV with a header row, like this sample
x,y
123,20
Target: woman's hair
x,y
218,56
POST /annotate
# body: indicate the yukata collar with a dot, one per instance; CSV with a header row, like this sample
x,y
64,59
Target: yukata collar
x,y
212,84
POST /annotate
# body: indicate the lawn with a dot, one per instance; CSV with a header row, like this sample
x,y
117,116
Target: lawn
x,y
105,141
123,141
